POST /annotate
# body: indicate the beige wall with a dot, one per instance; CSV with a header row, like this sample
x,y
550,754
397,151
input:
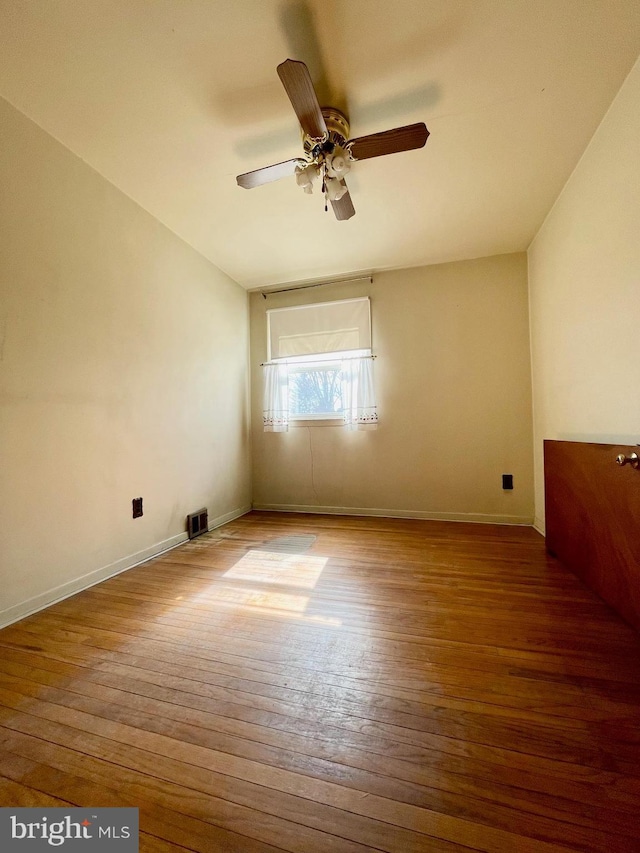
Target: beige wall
x,y
584,278
454,395
123,373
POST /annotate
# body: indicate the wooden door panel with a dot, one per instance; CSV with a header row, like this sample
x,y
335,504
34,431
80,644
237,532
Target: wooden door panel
x,y
593,519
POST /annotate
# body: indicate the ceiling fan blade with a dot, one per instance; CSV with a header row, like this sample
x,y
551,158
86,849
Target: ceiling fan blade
x,y
389,141
267,174
297,82
343,208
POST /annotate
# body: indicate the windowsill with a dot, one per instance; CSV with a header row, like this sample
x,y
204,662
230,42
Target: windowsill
x,y
322,422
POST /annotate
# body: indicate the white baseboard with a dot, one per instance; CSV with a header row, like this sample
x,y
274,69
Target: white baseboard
x,y
66,590
538,524
475,517
228,516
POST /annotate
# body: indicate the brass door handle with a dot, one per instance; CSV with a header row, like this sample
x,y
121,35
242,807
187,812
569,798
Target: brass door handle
x,y
633,459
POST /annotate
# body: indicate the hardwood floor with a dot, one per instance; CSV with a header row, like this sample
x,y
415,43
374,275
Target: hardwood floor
x,y
330,684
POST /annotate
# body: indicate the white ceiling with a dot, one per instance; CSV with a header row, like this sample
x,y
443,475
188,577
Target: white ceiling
x,y
171,99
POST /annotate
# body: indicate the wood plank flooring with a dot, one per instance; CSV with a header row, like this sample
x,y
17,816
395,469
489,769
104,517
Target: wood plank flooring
x,y
381,684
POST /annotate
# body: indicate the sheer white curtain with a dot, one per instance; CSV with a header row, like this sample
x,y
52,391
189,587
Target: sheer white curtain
x,y
358,395
275,405
359,409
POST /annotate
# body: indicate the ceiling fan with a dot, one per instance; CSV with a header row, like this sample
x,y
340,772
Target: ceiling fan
x,y
328,151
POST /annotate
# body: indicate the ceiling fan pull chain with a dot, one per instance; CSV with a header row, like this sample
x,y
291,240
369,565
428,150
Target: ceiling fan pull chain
x,y
324,187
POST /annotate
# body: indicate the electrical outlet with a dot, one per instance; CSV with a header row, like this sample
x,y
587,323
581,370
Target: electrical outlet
x,y
137,507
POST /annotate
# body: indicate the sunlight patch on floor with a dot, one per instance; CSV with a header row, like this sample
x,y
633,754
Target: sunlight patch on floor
x,y
263,571
267,601
299,570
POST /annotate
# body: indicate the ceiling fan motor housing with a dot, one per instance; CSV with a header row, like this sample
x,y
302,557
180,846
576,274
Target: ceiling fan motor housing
x,y
337,127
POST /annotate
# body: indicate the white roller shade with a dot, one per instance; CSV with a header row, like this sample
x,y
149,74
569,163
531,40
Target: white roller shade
x,y
318,329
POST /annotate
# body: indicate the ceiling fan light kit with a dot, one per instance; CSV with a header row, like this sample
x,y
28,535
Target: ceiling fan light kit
x,y
306,175
328,151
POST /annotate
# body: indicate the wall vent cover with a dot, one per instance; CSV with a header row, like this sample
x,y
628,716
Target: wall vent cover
x,y
197,523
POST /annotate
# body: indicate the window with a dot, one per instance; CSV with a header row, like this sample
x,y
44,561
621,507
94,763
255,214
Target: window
x,y
317,385
320,364
315,390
